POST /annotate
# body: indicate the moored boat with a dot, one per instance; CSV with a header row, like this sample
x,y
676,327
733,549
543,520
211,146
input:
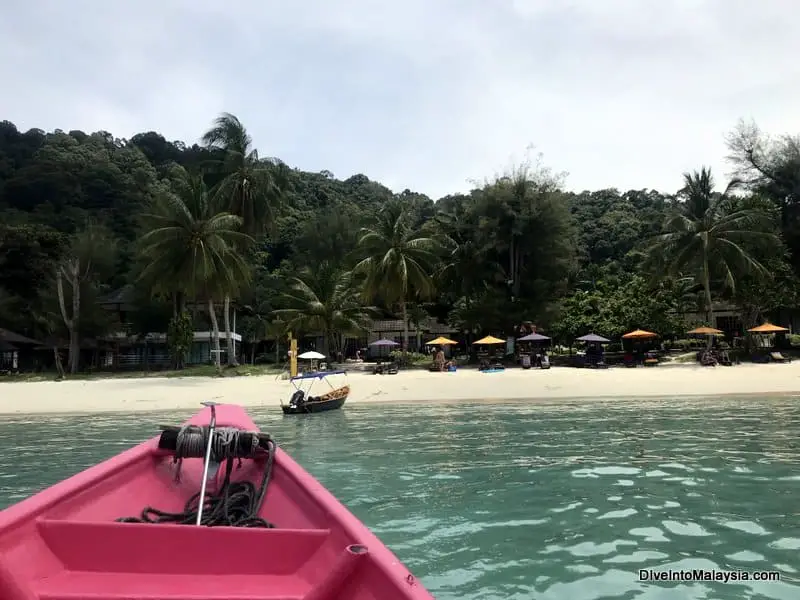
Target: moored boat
x,y
268,530
302,402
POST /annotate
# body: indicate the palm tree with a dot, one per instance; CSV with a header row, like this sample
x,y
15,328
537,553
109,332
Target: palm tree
x,y
465,267
397,261
417,316
325,299
250,188
191,248
711,236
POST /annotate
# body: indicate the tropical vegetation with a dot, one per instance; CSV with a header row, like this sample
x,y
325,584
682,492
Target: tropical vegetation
x,y
191,231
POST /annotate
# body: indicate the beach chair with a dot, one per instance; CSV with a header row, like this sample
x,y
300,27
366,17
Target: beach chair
x,y
778,357
392,369
707,360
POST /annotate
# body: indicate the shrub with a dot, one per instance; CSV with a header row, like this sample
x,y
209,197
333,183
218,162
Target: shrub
x,y
409,359
684,345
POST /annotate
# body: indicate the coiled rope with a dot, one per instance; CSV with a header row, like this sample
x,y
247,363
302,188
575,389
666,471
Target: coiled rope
x,y
235,504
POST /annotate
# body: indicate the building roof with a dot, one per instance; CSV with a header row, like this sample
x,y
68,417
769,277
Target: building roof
x,y
123,295
428,326
15,338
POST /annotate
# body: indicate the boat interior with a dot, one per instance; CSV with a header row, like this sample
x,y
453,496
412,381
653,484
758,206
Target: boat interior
x,y
65,543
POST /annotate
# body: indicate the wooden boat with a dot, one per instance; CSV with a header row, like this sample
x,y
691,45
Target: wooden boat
x,y
269,531
303,403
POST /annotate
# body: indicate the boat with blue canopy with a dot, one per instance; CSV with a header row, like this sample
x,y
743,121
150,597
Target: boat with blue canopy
x,y
302,402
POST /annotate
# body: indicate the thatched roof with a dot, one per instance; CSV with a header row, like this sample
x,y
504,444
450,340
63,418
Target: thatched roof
x,y
124,295
15,338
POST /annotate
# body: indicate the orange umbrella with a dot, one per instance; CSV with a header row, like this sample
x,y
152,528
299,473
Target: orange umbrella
x,y
768,328
441,341
490,340
639,334
705,331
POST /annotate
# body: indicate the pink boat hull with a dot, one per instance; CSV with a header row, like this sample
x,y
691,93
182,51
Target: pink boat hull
x,y
64,544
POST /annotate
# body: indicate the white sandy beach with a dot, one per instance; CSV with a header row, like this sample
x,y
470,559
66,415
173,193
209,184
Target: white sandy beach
x,y
153,393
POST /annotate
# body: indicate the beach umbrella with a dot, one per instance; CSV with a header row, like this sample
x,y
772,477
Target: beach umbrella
x,y
705,331
489,340
593,337
441,341
768,328
639,334
533,337
384,342
311,355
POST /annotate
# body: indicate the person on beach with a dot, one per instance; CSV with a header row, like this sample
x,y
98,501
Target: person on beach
x,y
438,360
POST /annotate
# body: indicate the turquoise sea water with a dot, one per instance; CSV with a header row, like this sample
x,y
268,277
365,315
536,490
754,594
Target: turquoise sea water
x,y
563,501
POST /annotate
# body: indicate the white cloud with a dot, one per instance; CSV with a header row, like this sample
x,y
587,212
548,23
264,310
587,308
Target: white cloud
x,y
420,94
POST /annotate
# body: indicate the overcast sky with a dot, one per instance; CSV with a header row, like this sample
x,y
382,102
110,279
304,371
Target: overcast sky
x,y
419,94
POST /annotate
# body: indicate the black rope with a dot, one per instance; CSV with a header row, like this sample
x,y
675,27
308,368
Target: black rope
x,y
236,504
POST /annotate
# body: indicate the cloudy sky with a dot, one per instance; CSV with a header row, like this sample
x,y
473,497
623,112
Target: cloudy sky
x,y
419,94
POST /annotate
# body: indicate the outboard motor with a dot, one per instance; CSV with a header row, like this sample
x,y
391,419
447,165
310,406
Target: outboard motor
x,y
297,398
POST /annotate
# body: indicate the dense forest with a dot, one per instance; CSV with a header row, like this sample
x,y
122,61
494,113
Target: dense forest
x,y
190,230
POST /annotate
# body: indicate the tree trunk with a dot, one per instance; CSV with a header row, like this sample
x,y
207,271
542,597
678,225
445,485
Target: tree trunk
x,y
71,321
404,312
215,350
516,259
59,366
709,303
232,362
326,343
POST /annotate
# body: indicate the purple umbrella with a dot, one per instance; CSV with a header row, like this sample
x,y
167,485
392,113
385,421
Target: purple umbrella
x,y
533,337
593,337
384,342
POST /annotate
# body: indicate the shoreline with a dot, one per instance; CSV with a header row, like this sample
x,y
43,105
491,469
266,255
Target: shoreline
x,y
157,394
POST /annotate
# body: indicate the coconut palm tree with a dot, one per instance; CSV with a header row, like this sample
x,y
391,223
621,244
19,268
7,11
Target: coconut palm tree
x,y
397,262
711,236
325,299
465,266
191,248
251,188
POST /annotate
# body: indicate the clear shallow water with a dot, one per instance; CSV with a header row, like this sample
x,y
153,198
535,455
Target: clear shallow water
x,y
522,501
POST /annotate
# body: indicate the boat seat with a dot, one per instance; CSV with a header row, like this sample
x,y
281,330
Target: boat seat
x,y
142,561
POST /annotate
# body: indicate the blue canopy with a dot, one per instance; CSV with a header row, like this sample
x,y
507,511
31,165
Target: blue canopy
x,y
318,375
593,337
533,337
384,342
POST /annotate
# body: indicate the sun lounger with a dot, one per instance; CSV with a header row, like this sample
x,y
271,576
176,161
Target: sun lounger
x,y
778,357
707,360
